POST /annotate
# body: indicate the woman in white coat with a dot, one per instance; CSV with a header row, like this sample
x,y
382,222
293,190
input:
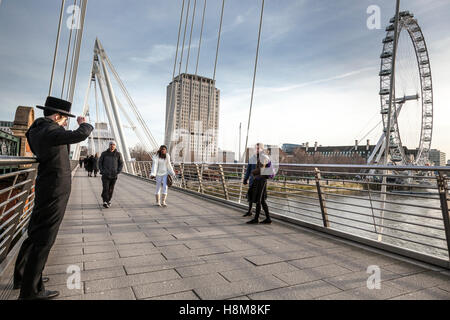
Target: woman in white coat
x,y
161,168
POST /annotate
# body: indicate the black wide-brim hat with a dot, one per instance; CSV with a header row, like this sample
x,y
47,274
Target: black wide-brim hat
x,y
58,105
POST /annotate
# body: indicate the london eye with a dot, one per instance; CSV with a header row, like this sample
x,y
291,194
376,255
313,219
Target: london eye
x,y
413,82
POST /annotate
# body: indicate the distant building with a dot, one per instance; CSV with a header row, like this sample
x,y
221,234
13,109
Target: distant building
x,y
331,151
9,144
190,134
437,157
290,147
226,156
99,139
6,126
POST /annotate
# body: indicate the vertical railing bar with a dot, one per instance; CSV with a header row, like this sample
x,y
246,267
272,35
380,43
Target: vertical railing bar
x,y
323,208
444,199
183,181
242,183
30,176
9,193
224,183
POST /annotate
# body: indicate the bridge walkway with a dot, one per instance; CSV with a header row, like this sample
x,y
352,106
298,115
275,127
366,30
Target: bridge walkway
x,y
200,249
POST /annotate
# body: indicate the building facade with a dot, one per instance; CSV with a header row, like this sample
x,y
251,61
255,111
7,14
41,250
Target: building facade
x,y
99,139
6,126
437,157
225,156
192,118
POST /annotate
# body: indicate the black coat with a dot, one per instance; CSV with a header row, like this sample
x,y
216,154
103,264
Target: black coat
x,y
50,143
90,164
110,164
95,163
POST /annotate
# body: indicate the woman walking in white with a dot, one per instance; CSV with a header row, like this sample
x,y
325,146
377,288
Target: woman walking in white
x,y
161,168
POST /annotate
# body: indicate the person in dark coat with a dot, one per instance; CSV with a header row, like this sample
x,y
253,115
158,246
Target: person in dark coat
x,y
110,165
259,169
85,161
81,163
50,142
95,165
90,165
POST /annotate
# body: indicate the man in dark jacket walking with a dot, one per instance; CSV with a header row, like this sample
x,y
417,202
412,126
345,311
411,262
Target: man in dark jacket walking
x,y
49,141
110,165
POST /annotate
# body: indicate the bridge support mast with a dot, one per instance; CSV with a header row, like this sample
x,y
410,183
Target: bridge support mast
x,y
112,97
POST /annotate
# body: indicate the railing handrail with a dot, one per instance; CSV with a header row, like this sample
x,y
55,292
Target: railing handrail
x,y
9,160
344,206
328,165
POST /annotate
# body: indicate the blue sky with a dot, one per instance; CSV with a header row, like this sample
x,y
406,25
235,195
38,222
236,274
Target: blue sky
x,y
317,76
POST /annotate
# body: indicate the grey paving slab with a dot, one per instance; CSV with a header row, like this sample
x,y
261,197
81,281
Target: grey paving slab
x,y
130,280
312,274
187,295
240,288
256,272
426,294
213,267
114,294
363,293
304,291
197,249
176,286
358,279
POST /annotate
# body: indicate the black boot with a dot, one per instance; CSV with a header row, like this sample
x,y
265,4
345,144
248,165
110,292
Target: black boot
x,y
249,212
266,211
43,295
256,218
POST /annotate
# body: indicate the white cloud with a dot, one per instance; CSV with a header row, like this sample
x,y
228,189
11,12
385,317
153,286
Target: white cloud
x,y
158,53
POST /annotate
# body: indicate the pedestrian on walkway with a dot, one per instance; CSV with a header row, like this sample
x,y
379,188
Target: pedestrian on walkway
x,y
50,142
161,169
259,169
80,162
90,165
110,165
85,162
95,165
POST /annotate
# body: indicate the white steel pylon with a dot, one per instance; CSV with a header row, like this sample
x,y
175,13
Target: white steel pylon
x,y
100,75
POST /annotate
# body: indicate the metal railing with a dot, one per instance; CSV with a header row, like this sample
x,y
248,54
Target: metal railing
x,y
17,190
16,200
410,216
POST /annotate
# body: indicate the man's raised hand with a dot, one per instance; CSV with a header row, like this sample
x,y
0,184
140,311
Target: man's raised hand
x,y
81,120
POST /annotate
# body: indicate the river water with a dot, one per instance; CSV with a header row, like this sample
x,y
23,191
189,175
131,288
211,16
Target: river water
x,y
408,222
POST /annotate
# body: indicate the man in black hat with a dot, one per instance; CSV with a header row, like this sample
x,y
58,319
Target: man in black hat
x,y
50,142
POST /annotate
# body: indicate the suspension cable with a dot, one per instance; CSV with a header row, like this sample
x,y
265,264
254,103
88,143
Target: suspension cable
x,y
254,79
196,73
200,39
61,15
214,75
173,81
71,65
181,59
190,36
97,116
131,103
68,49
184,36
